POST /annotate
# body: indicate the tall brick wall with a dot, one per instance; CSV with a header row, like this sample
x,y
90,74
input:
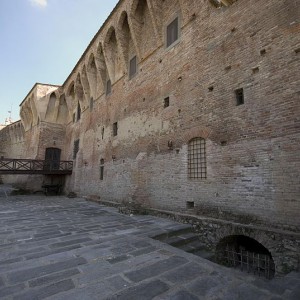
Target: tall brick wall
x,y
252,150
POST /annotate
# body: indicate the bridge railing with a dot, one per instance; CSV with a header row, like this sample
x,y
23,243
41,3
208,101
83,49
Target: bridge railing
x,y
34,166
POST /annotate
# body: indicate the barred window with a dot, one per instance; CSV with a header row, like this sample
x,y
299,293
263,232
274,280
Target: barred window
x,y
197,158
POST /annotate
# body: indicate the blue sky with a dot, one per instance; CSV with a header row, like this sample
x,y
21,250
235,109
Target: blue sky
x,y
41,41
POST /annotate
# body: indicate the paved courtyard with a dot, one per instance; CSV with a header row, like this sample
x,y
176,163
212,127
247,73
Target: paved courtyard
x,y
60,248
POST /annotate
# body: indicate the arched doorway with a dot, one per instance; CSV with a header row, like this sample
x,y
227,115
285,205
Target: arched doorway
x,y
245,253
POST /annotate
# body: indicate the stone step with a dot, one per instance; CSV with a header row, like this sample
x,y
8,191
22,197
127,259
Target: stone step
x,y
177,230
182,239
205,254
197,248
192,246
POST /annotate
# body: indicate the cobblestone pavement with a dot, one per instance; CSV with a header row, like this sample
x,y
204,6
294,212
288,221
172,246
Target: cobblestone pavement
x,y
60,248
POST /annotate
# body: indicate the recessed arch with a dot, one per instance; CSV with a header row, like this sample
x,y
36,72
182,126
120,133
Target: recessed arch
x,y
27,114
85,83
71,90
33,109
79,92
51,108
92,75
246,253
63,111
102,68
113,55
144,29
127,40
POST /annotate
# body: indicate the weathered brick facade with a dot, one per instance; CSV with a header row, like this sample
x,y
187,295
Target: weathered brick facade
x,y
252,149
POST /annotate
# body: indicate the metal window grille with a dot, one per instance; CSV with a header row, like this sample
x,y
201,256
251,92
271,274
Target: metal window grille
x,y
132,67
197,158
172,32
75,149
255,263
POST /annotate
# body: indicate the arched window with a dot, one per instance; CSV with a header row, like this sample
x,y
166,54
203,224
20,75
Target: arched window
x,y
101,169
197,158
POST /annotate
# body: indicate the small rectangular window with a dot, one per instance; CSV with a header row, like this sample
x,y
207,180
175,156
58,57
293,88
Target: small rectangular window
x,y
115,129
101,169
78,111
91,104
239,95
132,67
108,87
102,133
76,148
166,102
172,32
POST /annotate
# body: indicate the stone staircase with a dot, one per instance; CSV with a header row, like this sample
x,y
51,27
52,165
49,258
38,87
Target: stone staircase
x,y
183,237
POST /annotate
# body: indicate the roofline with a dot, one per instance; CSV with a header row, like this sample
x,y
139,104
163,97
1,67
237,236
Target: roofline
x,y
37,83
93,40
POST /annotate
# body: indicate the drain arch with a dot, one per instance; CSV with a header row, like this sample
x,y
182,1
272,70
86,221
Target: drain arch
x,y
246,253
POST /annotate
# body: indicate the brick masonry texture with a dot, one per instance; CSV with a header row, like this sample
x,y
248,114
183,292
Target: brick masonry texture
x,y
252,150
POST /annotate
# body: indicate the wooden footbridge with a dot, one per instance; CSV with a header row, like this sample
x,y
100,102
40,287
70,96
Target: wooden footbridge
x,y
33,166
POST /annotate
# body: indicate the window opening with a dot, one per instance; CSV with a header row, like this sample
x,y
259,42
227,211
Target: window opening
x,y
74,117
78,111
102,133
91,104
239,95
108,87
197,158
190,204
115,129
76,148
132,67
172,32
101,169
166,102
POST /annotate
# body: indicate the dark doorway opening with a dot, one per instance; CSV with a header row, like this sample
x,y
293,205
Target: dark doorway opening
x,y
52,159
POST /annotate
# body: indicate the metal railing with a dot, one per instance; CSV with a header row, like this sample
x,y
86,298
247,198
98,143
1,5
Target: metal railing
x,y
33,166
251,262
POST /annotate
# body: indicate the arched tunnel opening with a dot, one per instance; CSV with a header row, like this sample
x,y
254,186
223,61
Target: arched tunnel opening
x,y
247,254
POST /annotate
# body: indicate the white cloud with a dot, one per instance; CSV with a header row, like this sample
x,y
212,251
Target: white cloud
x,y
39,3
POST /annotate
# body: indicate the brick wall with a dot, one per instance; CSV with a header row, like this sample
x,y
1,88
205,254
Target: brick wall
x,y
252,150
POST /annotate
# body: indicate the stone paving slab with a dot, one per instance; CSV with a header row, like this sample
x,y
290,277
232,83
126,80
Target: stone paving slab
x,y
60,248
